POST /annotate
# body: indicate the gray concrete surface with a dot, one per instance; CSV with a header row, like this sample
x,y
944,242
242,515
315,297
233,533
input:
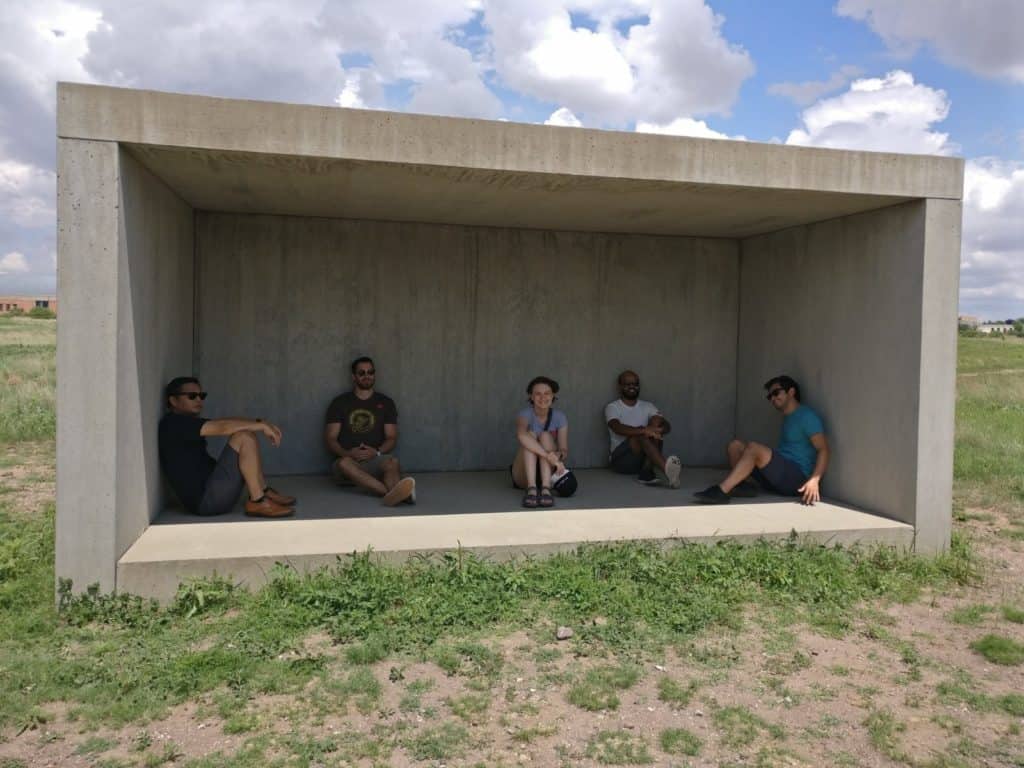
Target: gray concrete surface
x,y
458,320
840,267
478,512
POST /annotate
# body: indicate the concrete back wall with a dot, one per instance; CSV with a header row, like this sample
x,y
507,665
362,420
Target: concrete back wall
x,y
458,319
838,305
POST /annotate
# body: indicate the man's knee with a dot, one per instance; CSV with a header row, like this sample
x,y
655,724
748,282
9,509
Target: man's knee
x,y
390,464
347,466
736,446
243,440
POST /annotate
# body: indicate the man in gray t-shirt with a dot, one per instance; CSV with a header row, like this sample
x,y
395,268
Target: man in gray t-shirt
x,y
637,429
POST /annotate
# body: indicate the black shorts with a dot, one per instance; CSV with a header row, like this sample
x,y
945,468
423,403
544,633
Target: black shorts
x,y
781,476
624,461
223,486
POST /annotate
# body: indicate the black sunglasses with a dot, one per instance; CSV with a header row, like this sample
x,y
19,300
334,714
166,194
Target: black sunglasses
x,y
191,395
771,395
370,372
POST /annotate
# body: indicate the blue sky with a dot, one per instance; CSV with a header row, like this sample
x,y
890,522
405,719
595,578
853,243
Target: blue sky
x,y
927,76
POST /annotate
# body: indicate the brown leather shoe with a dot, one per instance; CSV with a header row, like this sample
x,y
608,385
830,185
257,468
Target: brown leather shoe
x,y
279,498
267,508
403,489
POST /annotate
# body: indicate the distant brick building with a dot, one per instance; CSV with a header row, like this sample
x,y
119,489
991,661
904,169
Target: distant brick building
x,y
25,303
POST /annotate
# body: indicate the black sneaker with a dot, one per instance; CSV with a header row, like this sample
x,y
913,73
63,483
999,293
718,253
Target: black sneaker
x,y
647,476
745,490
712,495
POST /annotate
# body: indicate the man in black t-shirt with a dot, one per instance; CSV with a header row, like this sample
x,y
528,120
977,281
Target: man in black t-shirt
x,y
211,487
361,431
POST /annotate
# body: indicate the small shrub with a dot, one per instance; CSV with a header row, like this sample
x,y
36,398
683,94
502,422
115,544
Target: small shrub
x,y
618,748
1011,613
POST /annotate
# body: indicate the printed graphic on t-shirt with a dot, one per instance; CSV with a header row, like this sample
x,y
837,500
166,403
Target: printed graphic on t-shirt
x,y
361,421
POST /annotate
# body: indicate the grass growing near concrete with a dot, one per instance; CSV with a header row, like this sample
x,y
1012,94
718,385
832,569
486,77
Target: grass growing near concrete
x,y
989,454
27,379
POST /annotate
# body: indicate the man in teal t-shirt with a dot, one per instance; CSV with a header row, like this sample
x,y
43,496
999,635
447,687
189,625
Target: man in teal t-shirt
x,y
794,468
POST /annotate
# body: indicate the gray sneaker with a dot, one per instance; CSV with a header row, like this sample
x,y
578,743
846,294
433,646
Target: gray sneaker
x,y
673,469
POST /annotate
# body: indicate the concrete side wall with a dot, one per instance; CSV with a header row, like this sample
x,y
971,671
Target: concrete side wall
x,y
125,282
838,306
458,319
155,305
87,287
940,287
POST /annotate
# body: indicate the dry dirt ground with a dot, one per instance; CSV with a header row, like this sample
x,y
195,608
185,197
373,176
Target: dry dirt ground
x,y
903,687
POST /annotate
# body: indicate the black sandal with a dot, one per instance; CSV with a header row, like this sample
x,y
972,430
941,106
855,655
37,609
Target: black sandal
x,y
546,499
530,500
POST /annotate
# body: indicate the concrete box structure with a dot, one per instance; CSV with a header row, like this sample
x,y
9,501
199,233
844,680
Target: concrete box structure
x,y
262,246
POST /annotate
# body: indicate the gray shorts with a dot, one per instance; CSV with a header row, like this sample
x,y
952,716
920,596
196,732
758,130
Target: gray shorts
x,y
223,486
374,466
780,475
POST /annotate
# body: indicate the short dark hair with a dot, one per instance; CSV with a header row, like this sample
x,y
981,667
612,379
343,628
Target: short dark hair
x,y
786,382
542,380
358,360
174,387
628,370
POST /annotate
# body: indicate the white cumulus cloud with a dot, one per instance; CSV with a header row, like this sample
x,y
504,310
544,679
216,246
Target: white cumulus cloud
x,y
13,262
650,60
882,114
984,36
685,126
563,117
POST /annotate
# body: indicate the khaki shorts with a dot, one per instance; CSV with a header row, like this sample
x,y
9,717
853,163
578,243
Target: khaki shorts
x,y
373,466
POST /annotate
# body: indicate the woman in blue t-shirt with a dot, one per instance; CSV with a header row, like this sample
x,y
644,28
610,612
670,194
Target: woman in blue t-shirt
x,y
543,436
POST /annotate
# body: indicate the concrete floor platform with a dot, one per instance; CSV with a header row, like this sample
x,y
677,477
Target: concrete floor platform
x,y
478,511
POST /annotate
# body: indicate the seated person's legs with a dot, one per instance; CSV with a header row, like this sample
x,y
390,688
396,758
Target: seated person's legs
x,y
240,462
380,475
628,458
753,456
546,499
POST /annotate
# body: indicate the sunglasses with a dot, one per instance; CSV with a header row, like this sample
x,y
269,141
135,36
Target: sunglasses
x,y
370,372
771,395
191,395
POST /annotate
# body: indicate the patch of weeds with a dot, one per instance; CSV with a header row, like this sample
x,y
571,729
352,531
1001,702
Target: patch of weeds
x,y
824,728
618,748
241,722
961,689
970,615
739,727
787,697
721,655
141,741
469,707
470,659
597,689
369,652
1000,650
169,754
1012,704
949,723
839,670
413,698
529,735
198,596
546,655
679,741
1014,614
883,730
95,745
441,742
12,762
674,694
361,685
788,664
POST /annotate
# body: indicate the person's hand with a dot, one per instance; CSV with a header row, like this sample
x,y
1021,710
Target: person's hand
x,y
363,452
553,458
652,432
810,491
273,433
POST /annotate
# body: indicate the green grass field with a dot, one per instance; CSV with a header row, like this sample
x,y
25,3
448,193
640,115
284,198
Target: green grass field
x,y
364,664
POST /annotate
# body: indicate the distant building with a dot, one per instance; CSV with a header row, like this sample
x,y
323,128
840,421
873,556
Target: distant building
x,y
971,321
25,303
995,328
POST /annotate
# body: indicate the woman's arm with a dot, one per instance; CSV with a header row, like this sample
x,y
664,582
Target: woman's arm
x,y
563,443
527,439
